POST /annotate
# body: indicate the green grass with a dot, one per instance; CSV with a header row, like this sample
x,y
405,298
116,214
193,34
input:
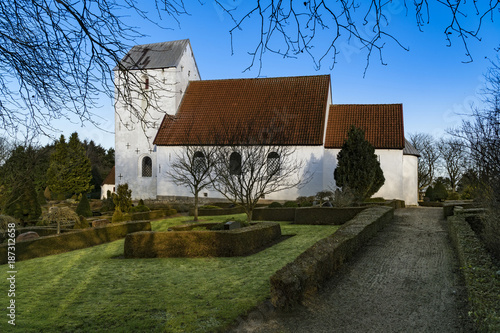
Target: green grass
x,y
90,290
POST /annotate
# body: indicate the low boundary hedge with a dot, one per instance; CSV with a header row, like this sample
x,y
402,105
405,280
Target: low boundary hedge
x,y
200,243
481,275
274,214
217,212
73,240
317,264
326,215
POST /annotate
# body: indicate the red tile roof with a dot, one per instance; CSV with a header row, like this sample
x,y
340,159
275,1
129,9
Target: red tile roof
x,y
110,178
382,123
291,108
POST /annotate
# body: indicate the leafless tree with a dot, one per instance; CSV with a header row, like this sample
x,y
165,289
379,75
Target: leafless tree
x,y
57,57
454,155
251,164
294,27
192,169
427,162
5,149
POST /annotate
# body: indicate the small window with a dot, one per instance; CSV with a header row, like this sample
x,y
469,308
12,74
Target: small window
x,y
235,164
145,79
199,162
273,163
147,167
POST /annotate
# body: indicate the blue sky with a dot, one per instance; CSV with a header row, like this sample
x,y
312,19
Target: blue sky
x,y
431,80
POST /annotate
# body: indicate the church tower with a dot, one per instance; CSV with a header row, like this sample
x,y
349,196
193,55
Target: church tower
x,y
150,83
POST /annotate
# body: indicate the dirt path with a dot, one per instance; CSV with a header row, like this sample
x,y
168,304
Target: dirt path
x,y
406,279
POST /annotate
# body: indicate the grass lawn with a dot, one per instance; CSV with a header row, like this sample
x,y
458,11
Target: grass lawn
x,y
90,290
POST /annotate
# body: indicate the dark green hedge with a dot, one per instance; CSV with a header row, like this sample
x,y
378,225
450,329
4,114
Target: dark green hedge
x,y
326,215
317,264
201,243
73,240
274,214
152,215
218,212
481,275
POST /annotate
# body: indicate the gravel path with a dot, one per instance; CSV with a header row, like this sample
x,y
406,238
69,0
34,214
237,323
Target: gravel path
x,y
406,279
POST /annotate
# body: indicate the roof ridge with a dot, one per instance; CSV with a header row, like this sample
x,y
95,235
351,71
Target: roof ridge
x,y
265,78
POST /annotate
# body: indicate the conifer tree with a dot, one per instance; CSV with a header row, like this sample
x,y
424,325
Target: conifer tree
x,y
70,170
358,167
83,207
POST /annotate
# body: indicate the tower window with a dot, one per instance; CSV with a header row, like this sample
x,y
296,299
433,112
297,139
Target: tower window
x,y
147,167
273,163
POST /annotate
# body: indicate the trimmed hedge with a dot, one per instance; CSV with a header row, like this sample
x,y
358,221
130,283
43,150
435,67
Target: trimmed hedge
x,y
152,215
72,240
481,275
200,243
317,264
326,215
307,215
217,212
274,214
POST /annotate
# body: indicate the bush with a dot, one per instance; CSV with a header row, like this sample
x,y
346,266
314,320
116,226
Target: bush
x,y
118,216
82,223
139,209
306,204
429,193
290,204
275,205
440,192
344,198
61,216
323,196
108,204
83,207
453,196
123,198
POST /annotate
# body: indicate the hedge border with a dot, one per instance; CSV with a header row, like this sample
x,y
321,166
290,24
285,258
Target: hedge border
x,y
326,215
308,271
73,240
201,243
480,274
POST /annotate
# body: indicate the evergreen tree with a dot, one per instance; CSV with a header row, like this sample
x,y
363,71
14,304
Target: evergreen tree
x,y
23,202
83,208
358,168
440,192
123,198
70,170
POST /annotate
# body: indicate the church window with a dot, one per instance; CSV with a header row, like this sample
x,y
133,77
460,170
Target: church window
x,y
199,162
147,167
235,164
146,82
273,163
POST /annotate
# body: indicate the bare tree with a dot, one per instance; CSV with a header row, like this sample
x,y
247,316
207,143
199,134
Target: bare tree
x,y
427,162
192,169
251,164
454,156
294,27
57,57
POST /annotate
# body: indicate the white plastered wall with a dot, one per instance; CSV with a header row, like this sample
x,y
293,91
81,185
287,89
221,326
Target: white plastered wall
x,y
133,142
410,179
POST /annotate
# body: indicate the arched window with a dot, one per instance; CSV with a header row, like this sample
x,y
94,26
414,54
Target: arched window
x,y
147,167
235,164
273,163
199,162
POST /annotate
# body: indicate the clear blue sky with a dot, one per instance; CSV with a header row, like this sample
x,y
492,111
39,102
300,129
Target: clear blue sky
x,y
431,80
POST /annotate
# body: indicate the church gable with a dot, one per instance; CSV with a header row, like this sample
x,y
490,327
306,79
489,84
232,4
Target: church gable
x,y
290,108
382,123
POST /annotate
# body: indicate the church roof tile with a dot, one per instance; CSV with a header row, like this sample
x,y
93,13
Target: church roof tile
x,y
283,110
382,123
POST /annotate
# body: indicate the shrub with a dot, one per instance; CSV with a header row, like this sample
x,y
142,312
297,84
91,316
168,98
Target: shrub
x,y
275,205
344,198
139,209
323,196
429,193
306,204
82,223
47,194
290,204
22,203
440,192
61,216
123,198
41,198
108,204
453,196
118,216
83,207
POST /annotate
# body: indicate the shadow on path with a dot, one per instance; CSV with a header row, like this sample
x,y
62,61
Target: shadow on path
x,y
406,279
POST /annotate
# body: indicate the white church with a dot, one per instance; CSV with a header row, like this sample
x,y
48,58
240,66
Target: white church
x,y
188,107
